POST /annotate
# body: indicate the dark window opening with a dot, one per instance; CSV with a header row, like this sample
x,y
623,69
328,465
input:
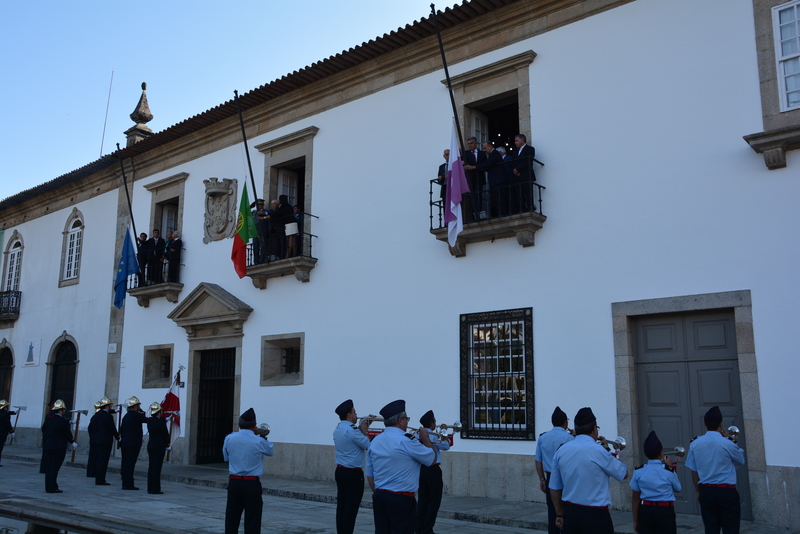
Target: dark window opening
x,y
6,370
291,360
62,385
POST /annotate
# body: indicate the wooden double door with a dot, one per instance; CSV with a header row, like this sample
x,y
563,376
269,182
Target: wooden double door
x,y
685,364
215,403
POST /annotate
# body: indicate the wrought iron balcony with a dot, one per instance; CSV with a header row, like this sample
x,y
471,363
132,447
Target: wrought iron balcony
x,y
272,254
9,305
512,209
155,283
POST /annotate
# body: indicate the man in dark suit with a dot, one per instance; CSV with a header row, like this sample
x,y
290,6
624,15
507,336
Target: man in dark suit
x,y
103,432
174,248
142,248
55,435
155,253
131,438
156,447
473,156
523,171
441,177
493,165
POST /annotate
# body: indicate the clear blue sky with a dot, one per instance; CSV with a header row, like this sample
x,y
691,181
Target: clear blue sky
x,y
57,58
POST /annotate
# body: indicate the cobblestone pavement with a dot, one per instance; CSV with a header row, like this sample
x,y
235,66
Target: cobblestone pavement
x,y
194,501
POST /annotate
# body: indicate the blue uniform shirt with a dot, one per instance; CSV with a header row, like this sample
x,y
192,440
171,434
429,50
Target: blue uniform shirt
x,y
443,445
713,457
654,482
581,469
350,445
393,460
547,445
244,451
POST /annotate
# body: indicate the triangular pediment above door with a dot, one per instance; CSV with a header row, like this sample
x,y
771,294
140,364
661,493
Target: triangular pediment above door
x,y
210,311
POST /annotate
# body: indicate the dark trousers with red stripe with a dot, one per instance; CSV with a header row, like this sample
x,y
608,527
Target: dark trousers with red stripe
x,y
586,520
394,513
657,520
551,509
243,496
720,508
429,498
349,491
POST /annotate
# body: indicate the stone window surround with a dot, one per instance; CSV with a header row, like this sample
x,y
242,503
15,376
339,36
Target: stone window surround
x,y
623,314
151,366
16,236
781,129
469,90
272,359
63,282
161,191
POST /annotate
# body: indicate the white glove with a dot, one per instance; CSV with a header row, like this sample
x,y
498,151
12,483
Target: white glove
x,y
169,448
12,435
74,445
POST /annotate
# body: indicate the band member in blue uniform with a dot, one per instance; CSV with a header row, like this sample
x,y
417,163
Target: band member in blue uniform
x,y
654,485
103,433
393,462
131,438
546,447
157,445
350,442
713,458
429,497
6,429
57,435
244,451
579,481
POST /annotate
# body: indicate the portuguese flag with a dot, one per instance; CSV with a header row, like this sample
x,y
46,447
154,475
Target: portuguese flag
x,y
245,229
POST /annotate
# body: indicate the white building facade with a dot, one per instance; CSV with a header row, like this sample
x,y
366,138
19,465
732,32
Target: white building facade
x,y
654,280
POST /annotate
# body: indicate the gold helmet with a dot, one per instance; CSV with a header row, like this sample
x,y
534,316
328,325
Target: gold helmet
x,y
96,406
133,401
155,408
105,401
58,405
3,403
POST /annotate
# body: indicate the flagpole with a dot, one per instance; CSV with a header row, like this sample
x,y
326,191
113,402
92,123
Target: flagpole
x,y
447,77
127,194
246,151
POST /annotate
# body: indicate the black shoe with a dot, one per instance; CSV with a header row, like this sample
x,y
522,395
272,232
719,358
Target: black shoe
x,y
102,483
156,492
131,488
56,491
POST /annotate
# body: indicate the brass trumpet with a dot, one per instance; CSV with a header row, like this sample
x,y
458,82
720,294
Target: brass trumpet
x,y
678,451
733,433
263,430
440,431
618,443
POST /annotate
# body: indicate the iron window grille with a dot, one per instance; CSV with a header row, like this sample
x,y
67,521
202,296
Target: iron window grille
x,y
496,351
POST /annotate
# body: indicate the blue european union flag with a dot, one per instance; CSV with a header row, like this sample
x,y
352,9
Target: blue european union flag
x,y
127,266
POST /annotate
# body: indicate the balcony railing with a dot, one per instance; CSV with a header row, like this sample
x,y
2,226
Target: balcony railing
x,y
273,254
9,305
156,281
512,209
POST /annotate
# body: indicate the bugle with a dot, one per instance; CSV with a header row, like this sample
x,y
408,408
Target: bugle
x,y
618,443
263,430
678,451
733,433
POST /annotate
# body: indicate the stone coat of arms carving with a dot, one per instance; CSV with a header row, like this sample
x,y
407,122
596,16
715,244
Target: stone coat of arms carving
x,y
219,221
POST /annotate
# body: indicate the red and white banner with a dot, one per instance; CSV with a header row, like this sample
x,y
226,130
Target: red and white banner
x,y
456,186
171,407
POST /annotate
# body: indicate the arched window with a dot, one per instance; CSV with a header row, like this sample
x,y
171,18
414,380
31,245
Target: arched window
x,y
13,266
6,372
62,384
72,247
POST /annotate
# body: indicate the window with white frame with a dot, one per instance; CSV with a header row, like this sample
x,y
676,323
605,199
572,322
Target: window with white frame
x,y
786,22
71,249
497,374
13,266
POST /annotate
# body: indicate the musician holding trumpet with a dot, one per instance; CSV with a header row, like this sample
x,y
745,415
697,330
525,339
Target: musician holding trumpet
x,y
713,458
580,474
546,447
654,485
351,441
430,478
